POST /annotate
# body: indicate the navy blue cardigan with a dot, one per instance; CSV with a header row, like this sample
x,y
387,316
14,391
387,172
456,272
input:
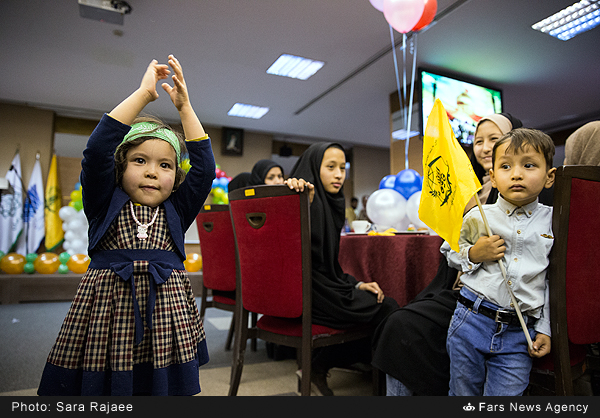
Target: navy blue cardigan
x,y
103,199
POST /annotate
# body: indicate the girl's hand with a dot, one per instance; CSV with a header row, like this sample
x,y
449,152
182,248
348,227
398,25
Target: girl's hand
x,y
178,93
299,185
373,288
154,72
487,249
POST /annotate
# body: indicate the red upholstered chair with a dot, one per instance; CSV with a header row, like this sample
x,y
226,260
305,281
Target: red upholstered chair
x,y
272,231
217,245
574,279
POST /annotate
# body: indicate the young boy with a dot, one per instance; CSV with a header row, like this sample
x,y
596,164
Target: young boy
x,y
488,350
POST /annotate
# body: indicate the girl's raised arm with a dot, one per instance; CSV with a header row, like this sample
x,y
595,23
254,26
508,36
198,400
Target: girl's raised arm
x,y
192,127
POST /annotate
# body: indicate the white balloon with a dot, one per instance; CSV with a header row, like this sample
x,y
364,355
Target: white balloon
x,y
386,207
66,213
77,244
69,235
412,210
403,224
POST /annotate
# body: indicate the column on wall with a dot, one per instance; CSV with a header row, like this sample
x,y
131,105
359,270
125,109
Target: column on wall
x,y
397,147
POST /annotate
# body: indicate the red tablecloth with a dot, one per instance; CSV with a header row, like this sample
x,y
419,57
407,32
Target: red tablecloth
x,y
402,265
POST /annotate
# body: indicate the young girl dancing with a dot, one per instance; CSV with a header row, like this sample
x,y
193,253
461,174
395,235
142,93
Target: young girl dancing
x,y
133,327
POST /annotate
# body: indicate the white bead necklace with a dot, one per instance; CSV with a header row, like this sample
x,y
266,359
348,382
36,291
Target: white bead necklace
x,y
142,228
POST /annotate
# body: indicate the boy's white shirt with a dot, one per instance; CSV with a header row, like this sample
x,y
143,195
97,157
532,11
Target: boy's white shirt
x,y
527,232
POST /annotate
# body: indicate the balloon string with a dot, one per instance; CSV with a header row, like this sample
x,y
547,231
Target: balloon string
x,y
410,103
396,67
404,76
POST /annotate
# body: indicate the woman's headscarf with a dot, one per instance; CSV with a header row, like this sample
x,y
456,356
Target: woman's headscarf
x,y
583,146
327,210
239,181
335,301
256,177
260,171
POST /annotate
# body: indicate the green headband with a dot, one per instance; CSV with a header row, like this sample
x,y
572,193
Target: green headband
x,y
153,129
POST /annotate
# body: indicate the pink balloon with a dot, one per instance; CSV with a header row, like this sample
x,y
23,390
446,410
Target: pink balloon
x,y
403,15
378,4
428,15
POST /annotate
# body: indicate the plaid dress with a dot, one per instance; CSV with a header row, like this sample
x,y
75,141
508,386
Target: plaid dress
x,y
99,351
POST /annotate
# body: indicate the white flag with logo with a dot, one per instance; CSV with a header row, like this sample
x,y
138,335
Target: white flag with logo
x,y
11,208
34,229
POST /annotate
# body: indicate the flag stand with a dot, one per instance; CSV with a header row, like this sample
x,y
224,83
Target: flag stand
x,y
502,268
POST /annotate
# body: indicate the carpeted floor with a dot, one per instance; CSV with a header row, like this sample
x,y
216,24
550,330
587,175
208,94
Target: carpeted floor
x,y
27,332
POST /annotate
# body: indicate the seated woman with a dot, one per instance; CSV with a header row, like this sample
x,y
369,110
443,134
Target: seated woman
x,y
339,300
263,172
582,147
410,346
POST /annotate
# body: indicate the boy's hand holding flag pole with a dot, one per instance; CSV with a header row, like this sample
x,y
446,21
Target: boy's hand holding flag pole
x,y
448,185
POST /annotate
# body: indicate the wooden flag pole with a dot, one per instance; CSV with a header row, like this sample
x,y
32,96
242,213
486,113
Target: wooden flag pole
x,y
503,270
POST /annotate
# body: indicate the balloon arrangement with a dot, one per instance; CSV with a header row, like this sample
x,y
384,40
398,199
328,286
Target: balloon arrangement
x,y
44,263
12,263
220,187
407,15
193,262
76,198
78,263
75,227
396,203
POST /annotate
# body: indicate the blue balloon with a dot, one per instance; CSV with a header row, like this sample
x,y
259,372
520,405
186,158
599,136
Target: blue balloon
x,y
408,182
388,182
215,183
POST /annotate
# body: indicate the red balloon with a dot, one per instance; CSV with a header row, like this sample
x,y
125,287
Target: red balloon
x,y
428,15
403,15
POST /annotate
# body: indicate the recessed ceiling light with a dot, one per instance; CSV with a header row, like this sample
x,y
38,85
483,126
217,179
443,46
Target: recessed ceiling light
x,y
247,111
571,21
295,67
400,134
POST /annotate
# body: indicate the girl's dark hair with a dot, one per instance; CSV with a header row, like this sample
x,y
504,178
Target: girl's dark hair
x,y
123,149
522,137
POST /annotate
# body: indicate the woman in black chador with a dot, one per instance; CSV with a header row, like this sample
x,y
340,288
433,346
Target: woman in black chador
x,y
339,300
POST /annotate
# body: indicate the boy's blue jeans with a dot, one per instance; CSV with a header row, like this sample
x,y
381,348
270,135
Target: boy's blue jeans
x,y
486,357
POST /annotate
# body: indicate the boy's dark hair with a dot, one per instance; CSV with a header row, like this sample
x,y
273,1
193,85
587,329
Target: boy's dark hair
x,y
521,138
123,149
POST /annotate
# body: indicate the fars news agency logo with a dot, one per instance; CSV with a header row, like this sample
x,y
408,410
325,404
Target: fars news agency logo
x,y
468,407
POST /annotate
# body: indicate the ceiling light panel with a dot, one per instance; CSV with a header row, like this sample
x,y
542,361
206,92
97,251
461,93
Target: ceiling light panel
x,y
247,111
295,67
571,21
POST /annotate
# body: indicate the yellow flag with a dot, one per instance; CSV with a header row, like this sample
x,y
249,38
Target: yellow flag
x,y
449,181
54,231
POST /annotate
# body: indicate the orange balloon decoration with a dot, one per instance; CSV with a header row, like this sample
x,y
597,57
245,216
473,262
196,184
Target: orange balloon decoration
x,y
427,16
13,263
193,262
46,263
78,263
